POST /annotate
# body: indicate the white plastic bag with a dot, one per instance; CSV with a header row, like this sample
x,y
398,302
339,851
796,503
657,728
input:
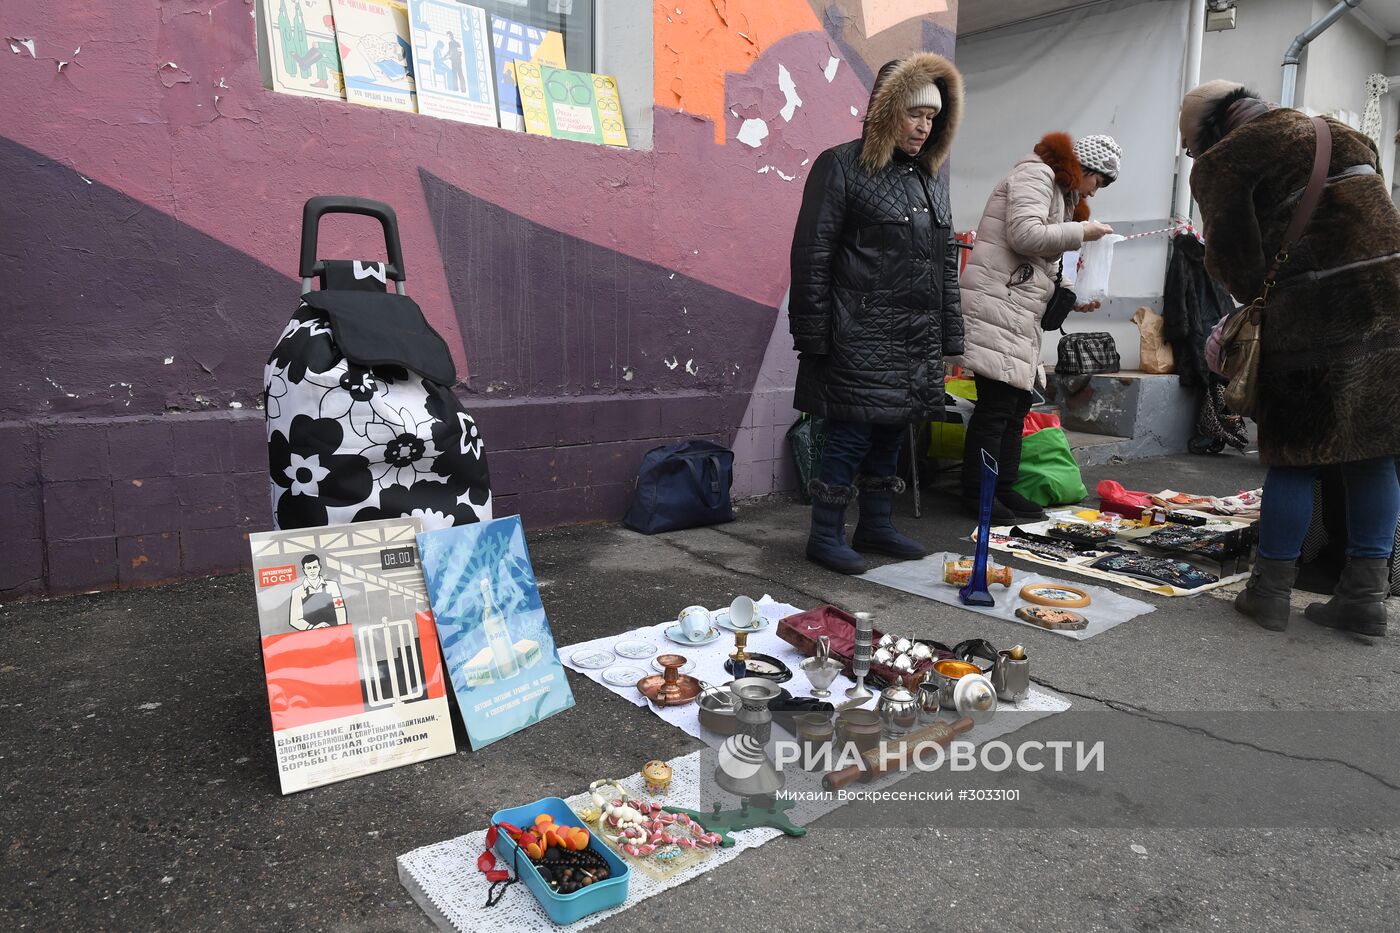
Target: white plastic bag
x,y
1095,265
1071,268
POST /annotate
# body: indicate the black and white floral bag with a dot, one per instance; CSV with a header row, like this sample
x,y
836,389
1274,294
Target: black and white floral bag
x,y
361,420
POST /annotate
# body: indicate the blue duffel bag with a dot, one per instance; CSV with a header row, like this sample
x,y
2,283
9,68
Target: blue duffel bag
x,y
682,485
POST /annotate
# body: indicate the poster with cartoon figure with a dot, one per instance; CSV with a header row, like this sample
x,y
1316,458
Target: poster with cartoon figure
x,y
452,61
354,676
297,48
496,640
375,53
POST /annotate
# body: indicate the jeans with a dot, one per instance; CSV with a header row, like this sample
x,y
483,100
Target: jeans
x,y
1372,504
996,428
858,448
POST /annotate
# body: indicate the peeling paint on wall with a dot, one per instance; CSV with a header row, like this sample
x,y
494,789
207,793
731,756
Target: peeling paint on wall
x,y
752,133
696,50
789,88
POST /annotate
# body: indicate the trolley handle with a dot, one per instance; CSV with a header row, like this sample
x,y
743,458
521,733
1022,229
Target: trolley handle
x,y
318,207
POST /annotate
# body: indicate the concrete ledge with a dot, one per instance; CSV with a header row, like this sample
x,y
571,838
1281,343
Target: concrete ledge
x,y
1146,415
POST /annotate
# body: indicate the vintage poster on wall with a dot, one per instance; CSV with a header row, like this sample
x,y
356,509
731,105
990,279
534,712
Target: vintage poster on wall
x,y
375,53
355,681
452,61
496,641
297,50
570,104
515,42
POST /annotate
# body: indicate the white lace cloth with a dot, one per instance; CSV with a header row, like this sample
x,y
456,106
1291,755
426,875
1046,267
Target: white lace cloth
x,y
443,878
709,666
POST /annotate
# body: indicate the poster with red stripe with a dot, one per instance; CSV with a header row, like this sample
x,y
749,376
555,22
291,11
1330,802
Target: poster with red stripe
x,y
355,679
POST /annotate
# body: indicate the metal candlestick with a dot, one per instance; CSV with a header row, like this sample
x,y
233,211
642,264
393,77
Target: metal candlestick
x,y
860,661
976,592
739,659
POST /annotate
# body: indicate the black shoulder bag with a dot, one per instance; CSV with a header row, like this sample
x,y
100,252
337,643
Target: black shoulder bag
x,y
1062,302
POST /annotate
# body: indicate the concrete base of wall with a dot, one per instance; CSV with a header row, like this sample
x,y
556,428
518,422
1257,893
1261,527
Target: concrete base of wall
x,y
89,504
763,463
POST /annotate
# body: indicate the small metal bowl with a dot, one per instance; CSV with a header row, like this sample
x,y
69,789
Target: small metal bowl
x,y
946,674
717,709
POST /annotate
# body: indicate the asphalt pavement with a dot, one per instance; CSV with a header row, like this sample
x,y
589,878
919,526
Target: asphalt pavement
x,y
140,790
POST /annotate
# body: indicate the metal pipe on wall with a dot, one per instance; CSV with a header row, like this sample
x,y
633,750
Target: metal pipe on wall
x,y
1191,76
1294,55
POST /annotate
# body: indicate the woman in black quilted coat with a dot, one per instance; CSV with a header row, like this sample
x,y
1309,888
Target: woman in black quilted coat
x,y
874,306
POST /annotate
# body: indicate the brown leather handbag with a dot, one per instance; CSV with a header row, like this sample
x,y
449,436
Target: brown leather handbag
x,y
1240,350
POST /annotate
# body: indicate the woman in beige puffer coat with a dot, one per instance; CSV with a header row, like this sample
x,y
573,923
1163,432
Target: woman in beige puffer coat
x,y
1035,214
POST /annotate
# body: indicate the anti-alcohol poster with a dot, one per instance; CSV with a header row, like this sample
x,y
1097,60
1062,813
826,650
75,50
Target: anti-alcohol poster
x,y
496,641
375,53
452,61
354,677
297,48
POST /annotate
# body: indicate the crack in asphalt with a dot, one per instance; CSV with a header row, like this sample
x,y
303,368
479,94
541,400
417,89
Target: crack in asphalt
x,y
1144,713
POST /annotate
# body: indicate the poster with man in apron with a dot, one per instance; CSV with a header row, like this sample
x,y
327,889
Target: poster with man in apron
x,y
317,603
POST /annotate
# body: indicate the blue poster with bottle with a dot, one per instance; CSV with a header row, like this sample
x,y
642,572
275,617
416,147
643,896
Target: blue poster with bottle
x,y
496,642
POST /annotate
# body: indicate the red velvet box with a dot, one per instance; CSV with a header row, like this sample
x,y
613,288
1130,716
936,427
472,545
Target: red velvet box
x,y
802,631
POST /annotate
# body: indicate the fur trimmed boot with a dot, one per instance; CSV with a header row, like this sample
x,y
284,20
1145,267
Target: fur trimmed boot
x,y
826,542
1358,603
1265,598
874,530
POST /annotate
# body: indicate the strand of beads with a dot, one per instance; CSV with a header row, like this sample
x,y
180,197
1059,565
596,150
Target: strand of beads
x,y
660,831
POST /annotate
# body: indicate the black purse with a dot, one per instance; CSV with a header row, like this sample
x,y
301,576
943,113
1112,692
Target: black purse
x,y
1062,302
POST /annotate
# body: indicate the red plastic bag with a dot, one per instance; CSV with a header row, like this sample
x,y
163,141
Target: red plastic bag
x,y
1039,421
1126,502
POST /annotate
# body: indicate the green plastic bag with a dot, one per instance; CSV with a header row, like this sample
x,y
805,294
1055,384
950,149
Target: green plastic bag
x,y
1049,473
806,438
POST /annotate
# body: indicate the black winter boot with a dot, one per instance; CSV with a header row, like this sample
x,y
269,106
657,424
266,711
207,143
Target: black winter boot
x,y
826,542
1023,508
874,530
1265,597
1001,515
1359,601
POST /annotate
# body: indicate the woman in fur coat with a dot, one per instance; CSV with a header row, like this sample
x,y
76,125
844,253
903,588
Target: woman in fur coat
x,y
874,303
1330,335
1035,214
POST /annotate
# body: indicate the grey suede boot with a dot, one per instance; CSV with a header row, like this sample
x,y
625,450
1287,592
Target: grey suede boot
x,y
1358,603
826,542
1265,597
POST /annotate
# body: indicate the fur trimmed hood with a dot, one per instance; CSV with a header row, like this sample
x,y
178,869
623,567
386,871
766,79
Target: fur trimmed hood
x,y
1057,151
1209,111
897,82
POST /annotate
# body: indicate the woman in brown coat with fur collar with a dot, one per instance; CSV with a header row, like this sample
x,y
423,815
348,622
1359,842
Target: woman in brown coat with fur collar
x,y
1330,335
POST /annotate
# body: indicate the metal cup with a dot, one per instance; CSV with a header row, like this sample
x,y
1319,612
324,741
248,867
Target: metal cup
x,y
928,701
821,672
1011,678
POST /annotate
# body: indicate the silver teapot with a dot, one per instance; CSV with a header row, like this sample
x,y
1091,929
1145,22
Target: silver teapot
x,y
898,709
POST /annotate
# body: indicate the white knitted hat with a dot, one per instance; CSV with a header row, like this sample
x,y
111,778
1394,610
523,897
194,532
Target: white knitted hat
x,y
926,96
1099,154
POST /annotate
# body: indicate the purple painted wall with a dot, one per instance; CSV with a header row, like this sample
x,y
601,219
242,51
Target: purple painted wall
x,y
598,301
